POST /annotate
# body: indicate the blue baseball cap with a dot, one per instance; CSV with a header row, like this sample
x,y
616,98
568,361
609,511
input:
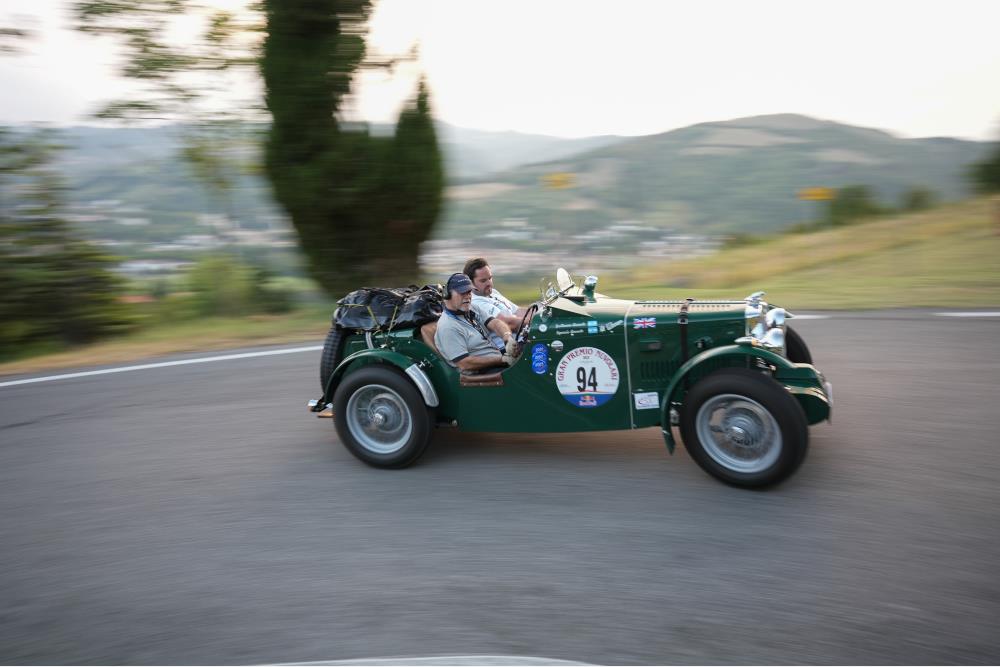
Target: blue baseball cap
x,y
459,282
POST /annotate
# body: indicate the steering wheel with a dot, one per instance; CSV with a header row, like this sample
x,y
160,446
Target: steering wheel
x,y
521,335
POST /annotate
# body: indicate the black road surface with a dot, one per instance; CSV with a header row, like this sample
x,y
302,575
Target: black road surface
x,y
198,514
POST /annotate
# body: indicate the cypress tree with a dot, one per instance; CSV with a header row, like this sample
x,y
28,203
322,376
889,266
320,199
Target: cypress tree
x,y
361,205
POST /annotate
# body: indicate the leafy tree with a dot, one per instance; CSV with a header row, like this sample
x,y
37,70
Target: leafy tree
x,y
181,82
918,199
53,285
360,204
12,38
175,81
850,204
223,285
985,175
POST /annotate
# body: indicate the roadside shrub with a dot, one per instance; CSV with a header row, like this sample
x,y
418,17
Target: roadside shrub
x,y
222,285
852,203
917,199
741,240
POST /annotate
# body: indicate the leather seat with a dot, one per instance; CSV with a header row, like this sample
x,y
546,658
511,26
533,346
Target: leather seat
x,y
491,378
427,332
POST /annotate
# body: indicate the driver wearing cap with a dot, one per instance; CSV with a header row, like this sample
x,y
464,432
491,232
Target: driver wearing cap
x,y
463,339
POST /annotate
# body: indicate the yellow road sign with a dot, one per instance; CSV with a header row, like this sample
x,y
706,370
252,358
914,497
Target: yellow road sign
x,y
559,180
817,194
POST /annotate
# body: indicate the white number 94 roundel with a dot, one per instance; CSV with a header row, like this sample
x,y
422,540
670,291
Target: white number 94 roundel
x,y
587,377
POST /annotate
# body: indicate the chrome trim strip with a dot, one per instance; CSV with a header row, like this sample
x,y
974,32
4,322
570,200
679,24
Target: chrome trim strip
x,y
423,385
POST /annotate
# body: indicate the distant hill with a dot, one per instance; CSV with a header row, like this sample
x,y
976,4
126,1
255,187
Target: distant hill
x,y
136,173
473,154
740,175
705,180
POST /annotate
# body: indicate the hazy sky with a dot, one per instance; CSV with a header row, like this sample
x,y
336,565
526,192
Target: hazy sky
x,y
586,67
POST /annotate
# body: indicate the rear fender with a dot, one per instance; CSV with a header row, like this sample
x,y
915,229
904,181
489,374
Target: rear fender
x,y
385,356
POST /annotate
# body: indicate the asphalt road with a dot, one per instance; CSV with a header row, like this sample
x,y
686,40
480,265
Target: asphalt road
x,y
197,514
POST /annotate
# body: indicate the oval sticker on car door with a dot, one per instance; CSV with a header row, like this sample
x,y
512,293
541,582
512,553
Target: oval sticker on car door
x,y
587,377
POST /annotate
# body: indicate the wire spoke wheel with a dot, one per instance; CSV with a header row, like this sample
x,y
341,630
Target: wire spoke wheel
x,y
379,419
739,433
744,428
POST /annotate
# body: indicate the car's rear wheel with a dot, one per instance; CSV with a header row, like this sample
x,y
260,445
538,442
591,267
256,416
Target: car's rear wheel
x,y
796,348
381,417
744,428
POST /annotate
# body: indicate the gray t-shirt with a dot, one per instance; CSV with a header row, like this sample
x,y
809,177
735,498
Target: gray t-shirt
x,y
457,338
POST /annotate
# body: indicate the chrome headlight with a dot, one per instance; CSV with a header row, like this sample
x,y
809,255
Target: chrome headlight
x,y
765,326
776,317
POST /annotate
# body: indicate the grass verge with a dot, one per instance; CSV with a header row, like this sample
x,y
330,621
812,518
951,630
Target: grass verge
x,y
308,325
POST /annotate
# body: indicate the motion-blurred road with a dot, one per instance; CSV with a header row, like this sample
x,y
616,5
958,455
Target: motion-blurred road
x,y
198,514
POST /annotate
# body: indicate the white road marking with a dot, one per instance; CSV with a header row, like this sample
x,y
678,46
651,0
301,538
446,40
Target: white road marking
x,y
314,348
459,660
162,364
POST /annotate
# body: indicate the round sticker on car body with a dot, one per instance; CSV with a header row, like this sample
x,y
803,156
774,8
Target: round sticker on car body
x,y
587,377
540,359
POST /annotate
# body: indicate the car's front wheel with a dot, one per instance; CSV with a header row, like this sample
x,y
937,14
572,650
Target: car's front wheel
x,y
796,348
381,417
744,428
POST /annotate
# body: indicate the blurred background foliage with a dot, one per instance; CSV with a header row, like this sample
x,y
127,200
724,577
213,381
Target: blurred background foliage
x,y
360,204
985,175
224,285
361,200
54,286
57,289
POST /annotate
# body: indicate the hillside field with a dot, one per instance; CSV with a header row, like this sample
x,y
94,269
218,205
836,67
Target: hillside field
x,y
942,258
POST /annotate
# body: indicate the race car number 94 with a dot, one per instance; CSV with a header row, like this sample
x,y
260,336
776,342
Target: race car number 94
x,y
587,377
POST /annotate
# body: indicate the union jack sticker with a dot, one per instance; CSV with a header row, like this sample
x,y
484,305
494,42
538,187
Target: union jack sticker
x,y
644,322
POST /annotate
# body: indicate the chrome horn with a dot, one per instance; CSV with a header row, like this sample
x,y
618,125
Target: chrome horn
x,y
776,317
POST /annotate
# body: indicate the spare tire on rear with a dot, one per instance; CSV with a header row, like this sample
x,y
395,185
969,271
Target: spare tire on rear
x,y
333,350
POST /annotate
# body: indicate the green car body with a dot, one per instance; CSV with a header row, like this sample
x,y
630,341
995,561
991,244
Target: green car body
x,y
595,363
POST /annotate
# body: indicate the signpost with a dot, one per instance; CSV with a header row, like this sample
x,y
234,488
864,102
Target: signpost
x,y
559,180
816,194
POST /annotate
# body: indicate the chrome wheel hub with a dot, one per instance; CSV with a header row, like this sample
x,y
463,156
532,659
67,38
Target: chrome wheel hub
x,y
379,419
738,433
736,436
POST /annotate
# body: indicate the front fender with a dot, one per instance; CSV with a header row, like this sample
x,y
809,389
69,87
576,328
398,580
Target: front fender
x,y
799,379
385,356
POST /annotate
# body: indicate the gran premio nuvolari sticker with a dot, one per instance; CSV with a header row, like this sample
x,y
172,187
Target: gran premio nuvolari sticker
x,y
587,377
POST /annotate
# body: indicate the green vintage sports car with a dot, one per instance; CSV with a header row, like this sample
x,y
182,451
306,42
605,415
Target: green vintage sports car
x,y
731,375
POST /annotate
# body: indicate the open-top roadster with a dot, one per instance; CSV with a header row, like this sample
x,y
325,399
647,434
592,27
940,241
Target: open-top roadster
x,y
735,379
